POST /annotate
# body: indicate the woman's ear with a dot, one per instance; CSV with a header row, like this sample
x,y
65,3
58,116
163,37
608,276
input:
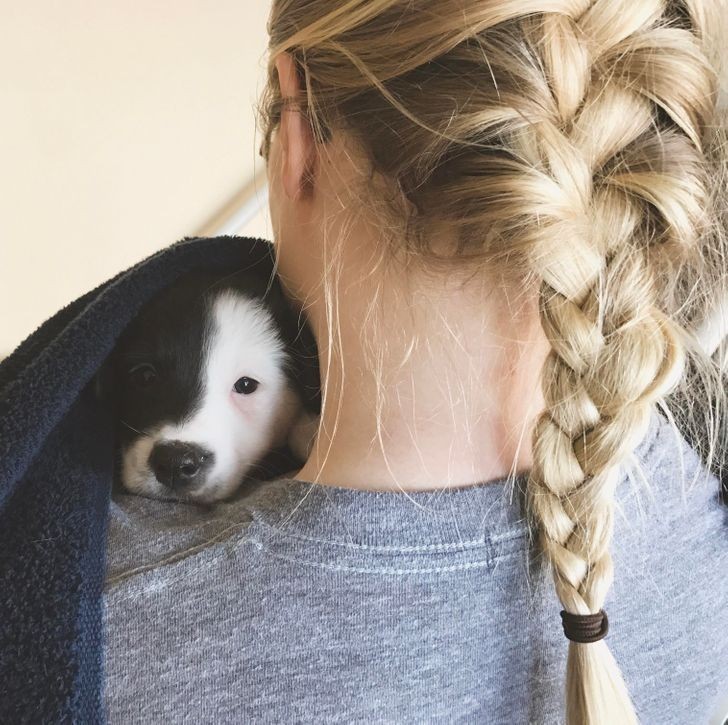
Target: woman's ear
x,y
298,151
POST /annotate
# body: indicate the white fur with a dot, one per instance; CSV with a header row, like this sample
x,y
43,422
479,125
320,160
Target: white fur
x,y
239,429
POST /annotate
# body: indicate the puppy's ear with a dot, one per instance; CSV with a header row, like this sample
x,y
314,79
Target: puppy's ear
x,y
306,368
301,346
303,435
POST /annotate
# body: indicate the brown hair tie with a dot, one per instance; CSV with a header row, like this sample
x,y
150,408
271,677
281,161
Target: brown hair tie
x,y
585,628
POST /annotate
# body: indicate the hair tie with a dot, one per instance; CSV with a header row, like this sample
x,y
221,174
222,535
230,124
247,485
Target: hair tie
x,y
585,628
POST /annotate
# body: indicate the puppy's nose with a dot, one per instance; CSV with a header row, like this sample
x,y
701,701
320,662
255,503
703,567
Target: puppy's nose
x,y
178,465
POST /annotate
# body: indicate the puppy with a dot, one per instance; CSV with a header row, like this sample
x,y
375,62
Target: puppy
x,y
214,373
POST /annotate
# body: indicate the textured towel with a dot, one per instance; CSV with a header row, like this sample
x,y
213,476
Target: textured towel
x,y
56,470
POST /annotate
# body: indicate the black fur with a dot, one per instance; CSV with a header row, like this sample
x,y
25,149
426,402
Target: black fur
x,y
170,333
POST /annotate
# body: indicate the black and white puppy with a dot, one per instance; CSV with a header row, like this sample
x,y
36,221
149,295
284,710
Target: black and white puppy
x,y
213,374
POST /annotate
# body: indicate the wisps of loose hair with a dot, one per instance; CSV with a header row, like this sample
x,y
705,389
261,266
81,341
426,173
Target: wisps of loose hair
x,y
575,142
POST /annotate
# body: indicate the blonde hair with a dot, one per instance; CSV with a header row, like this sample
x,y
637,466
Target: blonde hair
x,y
575,142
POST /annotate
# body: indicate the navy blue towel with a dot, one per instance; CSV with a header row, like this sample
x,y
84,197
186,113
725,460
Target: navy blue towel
x,y
56,468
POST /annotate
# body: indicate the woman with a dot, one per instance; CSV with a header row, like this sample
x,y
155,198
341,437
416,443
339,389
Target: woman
x,y
496,216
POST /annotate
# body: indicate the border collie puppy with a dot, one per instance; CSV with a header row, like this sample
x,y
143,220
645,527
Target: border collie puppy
x,y
213,374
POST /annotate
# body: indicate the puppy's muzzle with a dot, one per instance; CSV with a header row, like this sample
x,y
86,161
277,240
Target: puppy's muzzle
x,y
180,466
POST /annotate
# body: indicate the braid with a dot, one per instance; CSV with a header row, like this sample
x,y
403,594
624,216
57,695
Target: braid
x,y
614,355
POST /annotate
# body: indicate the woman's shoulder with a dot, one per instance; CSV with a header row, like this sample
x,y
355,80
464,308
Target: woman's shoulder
x,y
145,533
671,524
666,492
667,477
670,555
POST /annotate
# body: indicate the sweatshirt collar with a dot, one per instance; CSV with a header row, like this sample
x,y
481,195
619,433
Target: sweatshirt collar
x,y
470,516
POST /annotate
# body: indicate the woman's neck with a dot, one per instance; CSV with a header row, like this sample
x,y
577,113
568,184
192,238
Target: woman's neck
x,y
459,392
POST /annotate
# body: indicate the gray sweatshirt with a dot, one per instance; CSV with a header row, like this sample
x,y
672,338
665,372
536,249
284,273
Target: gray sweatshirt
x,y
316,604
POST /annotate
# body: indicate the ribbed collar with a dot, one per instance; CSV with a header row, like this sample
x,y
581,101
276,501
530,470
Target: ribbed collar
x,y
485,512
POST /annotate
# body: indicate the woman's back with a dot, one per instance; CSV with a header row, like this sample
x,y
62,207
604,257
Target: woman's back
x,y
316,603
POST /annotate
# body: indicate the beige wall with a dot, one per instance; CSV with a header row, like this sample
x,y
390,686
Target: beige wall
x,y
124,126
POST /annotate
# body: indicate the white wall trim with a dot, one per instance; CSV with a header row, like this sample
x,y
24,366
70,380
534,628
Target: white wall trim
x,y
239,210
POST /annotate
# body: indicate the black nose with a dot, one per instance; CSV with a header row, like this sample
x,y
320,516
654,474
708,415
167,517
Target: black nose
x,y
179,465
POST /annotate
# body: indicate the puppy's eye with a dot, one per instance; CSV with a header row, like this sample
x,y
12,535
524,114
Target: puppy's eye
x,y
143,375
246,386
